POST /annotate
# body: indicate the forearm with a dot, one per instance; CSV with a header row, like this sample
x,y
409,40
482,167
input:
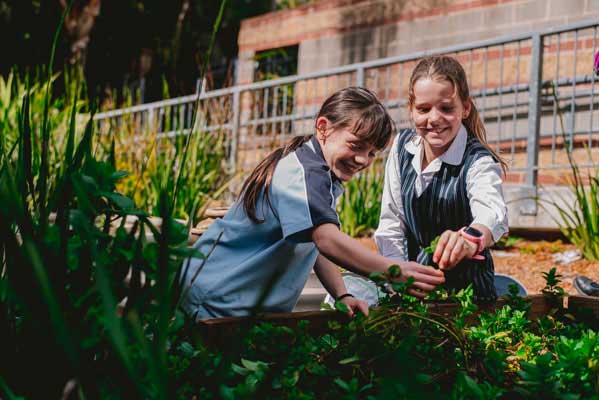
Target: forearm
x,y
330,276
347,252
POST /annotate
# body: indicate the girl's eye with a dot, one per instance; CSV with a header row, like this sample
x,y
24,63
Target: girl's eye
x,y
422,109
447,109
355,146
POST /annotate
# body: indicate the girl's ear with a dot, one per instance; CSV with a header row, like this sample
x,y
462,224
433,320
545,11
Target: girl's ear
x,y
322,124
467,108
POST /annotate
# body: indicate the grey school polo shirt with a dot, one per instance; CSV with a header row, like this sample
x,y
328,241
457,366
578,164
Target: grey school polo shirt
x,y
273,258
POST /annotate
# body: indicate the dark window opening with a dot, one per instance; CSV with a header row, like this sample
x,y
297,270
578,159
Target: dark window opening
x,y
275,63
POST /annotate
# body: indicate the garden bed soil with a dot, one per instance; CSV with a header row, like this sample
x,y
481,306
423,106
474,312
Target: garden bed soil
x,y
527,259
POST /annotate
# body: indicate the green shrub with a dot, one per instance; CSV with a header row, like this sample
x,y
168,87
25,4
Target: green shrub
x,y
359,207
578,220
69,256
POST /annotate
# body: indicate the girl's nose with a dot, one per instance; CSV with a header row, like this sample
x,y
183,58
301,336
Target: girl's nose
x,y
361,159
434,115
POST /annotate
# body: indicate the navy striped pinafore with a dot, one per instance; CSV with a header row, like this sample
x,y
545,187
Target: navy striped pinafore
x,y
443,205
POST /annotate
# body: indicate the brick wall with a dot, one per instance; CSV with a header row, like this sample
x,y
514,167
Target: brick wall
x,y
331,33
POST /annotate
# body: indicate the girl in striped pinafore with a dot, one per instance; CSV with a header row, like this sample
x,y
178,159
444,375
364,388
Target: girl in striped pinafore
x,y
442,179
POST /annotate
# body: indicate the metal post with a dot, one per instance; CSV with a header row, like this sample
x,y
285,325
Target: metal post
x,y
235,131
534,126
360,77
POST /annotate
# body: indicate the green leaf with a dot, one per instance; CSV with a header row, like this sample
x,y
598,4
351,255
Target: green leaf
x,y
120,201
349,360
339,306
252,365
394,271
342,384
239,369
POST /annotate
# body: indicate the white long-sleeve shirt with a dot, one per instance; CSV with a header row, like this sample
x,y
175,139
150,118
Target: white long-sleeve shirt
x,y
483,185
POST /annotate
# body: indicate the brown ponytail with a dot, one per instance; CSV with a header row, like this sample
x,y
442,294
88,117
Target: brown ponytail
x,y
261,177
448,68
353,107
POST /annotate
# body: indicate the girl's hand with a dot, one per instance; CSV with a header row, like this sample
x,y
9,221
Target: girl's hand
x,y
451,249
354,305
426,278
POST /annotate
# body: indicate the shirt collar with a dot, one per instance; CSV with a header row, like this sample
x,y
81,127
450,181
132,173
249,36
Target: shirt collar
x,y
453,155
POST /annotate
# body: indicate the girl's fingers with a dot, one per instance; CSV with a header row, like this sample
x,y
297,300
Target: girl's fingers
x,y
350,306
451,242
458,252
363,307
429,279
425,269
441,246
423,286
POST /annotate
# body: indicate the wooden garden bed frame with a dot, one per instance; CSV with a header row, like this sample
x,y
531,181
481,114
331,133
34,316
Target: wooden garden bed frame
x,y
217,332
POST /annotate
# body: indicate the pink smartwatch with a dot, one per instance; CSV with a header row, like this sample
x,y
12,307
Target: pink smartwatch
x,y
475,236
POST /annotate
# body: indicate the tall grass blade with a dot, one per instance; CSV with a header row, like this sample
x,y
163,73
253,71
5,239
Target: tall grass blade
x,y
43,176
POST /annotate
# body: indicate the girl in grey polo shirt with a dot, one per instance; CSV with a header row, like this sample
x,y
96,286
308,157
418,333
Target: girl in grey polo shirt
x,y
285,222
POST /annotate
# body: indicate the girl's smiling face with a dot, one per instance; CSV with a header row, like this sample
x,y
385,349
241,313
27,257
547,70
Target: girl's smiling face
x,y
345,153
437,112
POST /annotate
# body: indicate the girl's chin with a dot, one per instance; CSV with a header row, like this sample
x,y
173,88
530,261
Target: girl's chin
x,y
436,142
343,175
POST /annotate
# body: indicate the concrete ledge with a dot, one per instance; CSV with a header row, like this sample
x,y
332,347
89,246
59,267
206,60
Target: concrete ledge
x,y
526,212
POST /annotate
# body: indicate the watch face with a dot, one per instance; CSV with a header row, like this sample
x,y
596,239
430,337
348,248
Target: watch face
x,y
473,232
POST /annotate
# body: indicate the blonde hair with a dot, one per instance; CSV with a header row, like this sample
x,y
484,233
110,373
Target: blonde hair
x,y
449,69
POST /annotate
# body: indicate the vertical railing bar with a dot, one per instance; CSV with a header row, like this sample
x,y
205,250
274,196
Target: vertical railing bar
x,y
151,119
387,84
305,108
235,133
254,139
207,114
294,107
284,113
189,115
264,118
160,120
470,66
555,99
401,67
573,97
375,87
359,77
314,105
534,122
486,71
500,108
515,115
181,117
273,124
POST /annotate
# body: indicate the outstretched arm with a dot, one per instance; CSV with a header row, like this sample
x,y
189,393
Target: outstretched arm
x,y
351,255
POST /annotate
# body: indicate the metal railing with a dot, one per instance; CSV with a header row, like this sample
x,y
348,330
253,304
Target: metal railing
x,y
535,92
